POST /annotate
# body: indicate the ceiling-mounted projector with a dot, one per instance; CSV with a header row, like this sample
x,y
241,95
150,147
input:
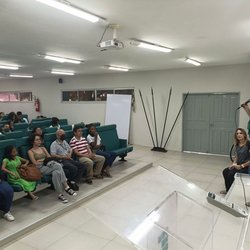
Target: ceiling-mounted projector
x,y
113,43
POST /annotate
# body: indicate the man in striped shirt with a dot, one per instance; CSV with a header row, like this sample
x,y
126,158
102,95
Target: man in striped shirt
x,y
82,150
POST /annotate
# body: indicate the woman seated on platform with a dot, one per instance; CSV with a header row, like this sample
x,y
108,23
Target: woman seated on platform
x,y
94,141
241,160
37,155
6,196
10,164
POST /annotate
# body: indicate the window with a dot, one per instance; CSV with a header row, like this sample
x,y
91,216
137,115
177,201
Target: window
x,y
26,97
101,95
87,95
70,96
16,96
91,95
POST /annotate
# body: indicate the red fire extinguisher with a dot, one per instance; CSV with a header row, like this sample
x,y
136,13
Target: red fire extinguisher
x,y
37,105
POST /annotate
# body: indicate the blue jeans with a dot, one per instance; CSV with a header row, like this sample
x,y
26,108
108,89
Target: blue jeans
x,y
6,196
109,157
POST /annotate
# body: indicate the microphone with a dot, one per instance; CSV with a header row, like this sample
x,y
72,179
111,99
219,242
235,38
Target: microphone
x,y
243,104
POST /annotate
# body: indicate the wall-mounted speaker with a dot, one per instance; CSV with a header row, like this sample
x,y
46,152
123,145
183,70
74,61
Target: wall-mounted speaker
x,y
60,80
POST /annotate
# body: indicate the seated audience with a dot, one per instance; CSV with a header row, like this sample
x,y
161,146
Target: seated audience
x,y
38,155
1,115
61,150
82,150
20,117
55,123
10,164
12,117
241,160
94,141
7,127
38,131
6,196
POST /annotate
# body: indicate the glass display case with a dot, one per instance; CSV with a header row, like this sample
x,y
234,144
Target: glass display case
x,y
178,223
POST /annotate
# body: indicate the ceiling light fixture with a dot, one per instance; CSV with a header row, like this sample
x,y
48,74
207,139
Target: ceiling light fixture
x,y
61,59
21,76
71,9
152,46
192,61
58,72
117,68
14,67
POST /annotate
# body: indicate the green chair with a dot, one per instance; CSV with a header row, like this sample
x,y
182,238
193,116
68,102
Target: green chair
x,y
63,122
2,137
14,135
66,127
48,139
21,126
68,135
23,145
109,137
40,124
50,130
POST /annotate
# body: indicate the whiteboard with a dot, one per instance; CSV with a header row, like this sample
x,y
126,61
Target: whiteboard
x,y
118,112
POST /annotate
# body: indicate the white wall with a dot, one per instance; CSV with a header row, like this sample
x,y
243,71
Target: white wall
x,y
234,78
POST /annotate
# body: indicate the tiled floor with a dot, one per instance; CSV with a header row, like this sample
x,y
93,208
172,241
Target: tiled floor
x,y
79,229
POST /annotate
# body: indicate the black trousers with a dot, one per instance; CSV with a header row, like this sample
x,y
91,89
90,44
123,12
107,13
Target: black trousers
x,y
228,175
74,170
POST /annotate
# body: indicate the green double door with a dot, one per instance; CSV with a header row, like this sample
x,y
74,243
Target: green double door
x,y
209,121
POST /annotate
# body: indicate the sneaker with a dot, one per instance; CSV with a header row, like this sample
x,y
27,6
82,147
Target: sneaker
x,y
9,217
70,191
62,198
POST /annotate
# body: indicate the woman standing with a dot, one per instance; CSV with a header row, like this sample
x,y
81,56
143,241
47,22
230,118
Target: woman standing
x,y
241,160
11,162
6,196
37,155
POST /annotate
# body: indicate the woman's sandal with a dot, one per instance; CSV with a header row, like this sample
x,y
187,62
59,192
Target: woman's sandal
x,y
62,198
106,174
70,191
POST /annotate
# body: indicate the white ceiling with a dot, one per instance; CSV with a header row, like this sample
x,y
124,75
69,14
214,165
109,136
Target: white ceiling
x,y
212,32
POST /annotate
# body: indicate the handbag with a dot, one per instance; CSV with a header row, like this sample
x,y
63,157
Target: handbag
x,y
49,159
29,172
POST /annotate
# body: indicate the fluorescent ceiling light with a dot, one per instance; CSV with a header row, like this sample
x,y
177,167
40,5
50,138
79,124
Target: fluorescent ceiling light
x,y
14,67
191,61
151,46
70,9
61,59
21,76
117,68
57,72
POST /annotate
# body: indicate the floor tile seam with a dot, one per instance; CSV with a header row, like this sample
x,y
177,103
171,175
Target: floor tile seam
x,y
40,228
76,203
